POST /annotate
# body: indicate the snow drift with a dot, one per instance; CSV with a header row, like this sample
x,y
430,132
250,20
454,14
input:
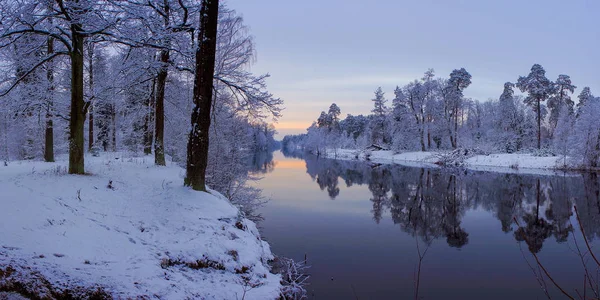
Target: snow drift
x,y
128,229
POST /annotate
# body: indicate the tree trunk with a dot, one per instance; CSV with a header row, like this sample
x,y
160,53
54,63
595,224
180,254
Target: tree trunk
x,y
197,150
113,119
428,132
49,132
159,126
422,134
539,121
78,105
91,106
455,128
148,119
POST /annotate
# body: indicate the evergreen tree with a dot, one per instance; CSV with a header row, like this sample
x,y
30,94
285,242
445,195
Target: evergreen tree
x,y
378,120
539,88
583,97
561,99
459,80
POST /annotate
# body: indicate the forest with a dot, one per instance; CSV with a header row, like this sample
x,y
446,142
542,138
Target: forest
x,y
97,76
532,115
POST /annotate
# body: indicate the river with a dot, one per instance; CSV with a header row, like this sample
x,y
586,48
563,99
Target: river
x,y
373,231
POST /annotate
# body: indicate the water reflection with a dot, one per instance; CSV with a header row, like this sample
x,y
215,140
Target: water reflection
x,y
430,203
260,162
476,212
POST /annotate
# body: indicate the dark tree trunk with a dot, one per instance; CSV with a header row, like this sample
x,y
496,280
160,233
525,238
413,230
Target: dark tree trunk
x,y
161,82
455,128
78,105
422,134
113,119
539,121
148,119
197,150
49,132
159,126
91,106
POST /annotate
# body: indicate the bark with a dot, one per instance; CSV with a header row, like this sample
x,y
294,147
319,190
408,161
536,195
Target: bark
x,y
197,150
91,106
455,128
113,119
159,126
78,105
148,119
161,82
422,134
49,132
539,123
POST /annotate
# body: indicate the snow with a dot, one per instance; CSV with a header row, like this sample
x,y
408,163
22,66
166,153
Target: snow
x,y
504,163
75,231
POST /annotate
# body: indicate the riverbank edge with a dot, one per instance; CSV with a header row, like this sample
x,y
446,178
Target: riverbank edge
x,y
512,163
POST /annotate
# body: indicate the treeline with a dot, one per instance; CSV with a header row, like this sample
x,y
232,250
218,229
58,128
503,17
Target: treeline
x,y
103,75
431,114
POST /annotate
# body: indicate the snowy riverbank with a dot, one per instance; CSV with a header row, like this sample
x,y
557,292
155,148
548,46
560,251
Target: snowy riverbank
x,y
504,163
129,228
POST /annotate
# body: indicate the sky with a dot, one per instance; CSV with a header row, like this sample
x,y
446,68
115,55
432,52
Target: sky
x,y
320,52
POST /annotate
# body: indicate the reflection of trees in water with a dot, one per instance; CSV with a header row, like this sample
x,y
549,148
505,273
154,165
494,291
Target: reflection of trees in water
x,y
379,187
261,162
301,154
430,203
588,204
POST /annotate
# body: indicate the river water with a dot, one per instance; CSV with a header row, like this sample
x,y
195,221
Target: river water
x,y
373,231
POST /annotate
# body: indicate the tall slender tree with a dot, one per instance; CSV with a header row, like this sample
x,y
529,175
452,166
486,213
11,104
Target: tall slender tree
x,y
49,131
539,88
197,150
561,100
583,97
459,80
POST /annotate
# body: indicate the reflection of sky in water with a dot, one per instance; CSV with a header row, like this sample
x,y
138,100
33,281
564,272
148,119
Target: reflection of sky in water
x,y
342,241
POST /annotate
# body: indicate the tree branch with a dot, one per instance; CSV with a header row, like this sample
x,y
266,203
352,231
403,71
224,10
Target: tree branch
x,y
47,59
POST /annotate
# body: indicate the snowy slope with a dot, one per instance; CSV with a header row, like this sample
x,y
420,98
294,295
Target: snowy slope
x,y
146,235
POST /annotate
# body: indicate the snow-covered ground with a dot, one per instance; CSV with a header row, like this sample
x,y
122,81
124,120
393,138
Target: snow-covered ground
x,y
129,227
505,163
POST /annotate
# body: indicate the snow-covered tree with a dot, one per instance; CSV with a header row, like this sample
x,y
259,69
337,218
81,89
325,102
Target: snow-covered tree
x,y
334,112
585,139
584,96
459,80
539,89
562,133
561,98
378,120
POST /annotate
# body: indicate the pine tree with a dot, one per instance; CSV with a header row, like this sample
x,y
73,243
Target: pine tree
x,y
459,80
539,88
561,99
583,97
378,122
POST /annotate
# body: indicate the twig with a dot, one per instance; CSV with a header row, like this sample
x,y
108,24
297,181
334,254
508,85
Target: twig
x,y
587,274
544,269
421,257
584,237
539,279
353,291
